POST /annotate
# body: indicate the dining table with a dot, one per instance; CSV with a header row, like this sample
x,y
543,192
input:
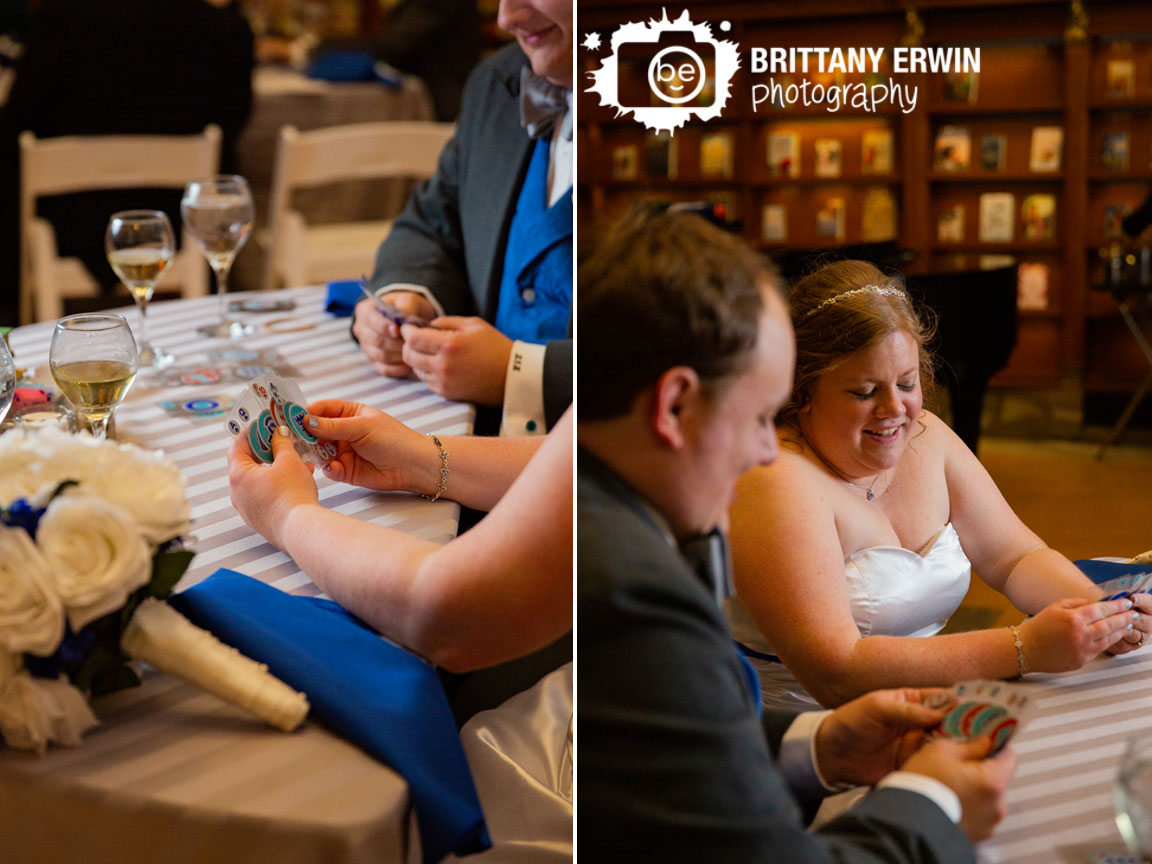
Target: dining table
x,y
282,96
173,773
1060,806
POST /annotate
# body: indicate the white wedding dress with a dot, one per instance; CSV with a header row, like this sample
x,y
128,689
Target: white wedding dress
x,y
892,591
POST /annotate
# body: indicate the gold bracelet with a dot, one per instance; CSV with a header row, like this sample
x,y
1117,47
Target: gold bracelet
x,y
443,484
1019,651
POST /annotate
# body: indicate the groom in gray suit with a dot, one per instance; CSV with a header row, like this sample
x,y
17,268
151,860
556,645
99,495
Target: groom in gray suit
x,y
688,354
488,240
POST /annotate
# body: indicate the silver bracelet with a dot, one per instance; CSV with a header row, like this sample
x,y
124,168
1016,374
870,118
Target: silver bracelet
x,y
443,484
1019,651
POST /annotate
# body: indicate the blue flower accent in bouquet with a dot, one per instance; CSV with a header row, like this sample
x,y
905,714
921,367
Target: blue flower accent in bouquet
x,y
90,546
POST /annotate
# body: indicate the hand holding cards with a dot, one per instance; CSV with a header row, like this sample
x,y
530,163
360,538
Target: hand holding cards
x,y
393,313
267,404
982,708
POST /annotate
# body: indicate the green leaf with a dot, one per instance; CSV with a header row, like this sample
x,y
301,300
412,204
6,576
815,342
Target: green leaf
x,y
167,568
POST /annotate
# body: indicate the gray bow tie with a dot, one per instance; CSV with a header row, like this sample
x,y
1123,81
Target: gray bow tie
x,y
542,103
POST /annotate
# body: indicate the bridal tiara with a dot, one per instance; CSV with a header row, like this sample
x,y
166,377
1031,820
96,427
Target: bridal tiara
x,y
867,289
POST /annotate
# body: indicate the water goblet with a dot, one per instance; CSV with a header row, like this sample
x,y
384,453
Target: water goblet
x,y
140,245
1132,796
93,360
218,212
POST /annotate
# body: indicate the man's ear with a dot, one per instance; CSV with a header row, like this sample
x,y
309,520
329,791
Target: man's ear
x,y
676,390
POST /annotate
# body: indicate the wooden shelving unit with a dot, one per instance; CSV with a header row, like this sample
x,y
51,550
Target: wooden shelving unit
x,y
1043,70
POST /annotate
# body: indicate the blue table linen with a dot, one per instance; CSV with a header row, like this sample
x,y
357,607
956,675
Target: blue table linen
x,y
377,695
342,297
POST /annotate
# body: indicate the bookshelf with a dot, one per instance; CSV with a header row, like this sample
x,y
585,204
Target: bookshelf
x,y
1090,78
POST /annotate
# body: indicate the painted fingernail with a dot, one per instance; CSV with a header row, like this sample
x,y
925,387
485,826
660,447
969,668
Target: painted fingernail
x,y
283,430
1135,616
1129,627
1130,604
313,422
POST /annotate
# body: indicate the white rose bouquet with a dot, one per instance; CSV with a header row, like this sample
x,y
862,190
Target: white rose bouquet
x,y
90,545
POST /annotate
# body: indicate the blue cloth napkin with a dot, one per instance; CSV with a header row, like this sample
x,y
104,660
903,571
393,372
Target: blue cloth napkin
x,y
344,66
382,698
342,297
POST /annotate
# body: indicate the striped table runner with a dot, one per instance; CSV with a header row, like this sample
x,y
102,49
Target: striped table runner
x,y
173,774
331,365
1060,801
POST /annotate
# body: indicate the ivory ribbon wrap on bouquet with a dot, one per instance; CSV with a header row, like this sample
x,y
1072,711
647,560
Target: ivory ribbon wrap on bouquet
x,y
161,636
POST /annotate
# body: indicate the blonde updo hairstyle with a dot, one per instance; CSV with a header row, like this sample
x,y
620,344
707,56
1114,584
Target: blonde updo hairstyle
x,y
832,320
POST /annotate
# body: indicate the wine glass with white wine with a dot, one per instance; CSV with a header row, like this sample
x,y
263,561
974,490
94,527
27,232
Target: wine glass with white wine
x,y
93,360
218,213
1132,796
140,245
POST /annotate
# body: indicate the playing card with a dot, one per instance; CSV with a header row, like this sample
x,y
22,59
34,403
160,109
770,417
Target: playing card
x,y
393,313
269,403
985,708
199,408
1139,581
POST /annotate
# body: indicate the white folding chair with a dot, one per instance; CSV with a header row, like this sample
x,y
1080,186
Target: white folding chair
x,y
303,254
81,163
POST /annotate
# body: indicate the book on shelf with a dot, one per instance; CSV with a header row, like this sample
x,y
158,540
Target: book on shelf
x,y
625,162
993,152
1120,79
1047,147
953,149
961,87
774,223
662,155
784,154
878,215
950,224
1038,217
1113,221
716,155
1032,285
876,151
830,219
1114,151
997,217
828,161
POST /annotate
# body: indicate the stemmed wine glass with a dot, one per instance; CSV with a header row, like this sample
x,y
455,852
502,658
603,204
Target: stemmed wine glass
x,y
218,212
140,245
93,359
1132,796
7,379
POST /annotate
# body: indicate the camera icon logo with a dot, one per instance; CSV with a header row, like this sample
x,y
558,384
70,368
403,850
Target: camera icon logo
x,y
664,72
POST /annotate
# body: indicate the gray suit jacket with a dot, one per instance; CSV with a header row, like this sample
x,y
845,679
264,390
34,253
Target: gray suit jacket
x,y
452,233
674,764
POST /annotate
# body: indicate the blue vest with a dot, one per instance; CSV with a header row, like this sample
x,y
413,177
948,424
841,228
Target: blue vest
x,y
535,299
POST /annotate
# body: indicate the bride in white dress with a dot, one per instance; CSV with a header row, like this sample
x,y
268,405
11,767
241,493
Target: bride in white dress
x,y
856,542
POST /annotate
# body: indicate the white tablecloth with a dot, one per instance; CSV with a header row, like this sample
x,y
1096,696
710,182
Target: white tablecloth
x,y
173,774
1060,807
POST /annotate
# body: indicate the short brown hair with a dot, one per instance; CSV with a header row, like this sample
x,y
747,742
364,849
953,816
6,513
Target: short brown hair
x,y
828,330
663,289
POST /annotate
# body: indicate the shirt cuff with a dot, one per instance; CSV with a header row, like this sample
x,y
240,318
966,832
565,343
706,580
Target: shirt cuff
x,y
797,758
929,787
524,391
422,290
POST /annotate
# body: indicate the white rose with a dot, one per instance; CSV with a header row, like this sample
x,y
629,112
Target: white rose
x,y
31,614
149,487
35,711
144,483
95,554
